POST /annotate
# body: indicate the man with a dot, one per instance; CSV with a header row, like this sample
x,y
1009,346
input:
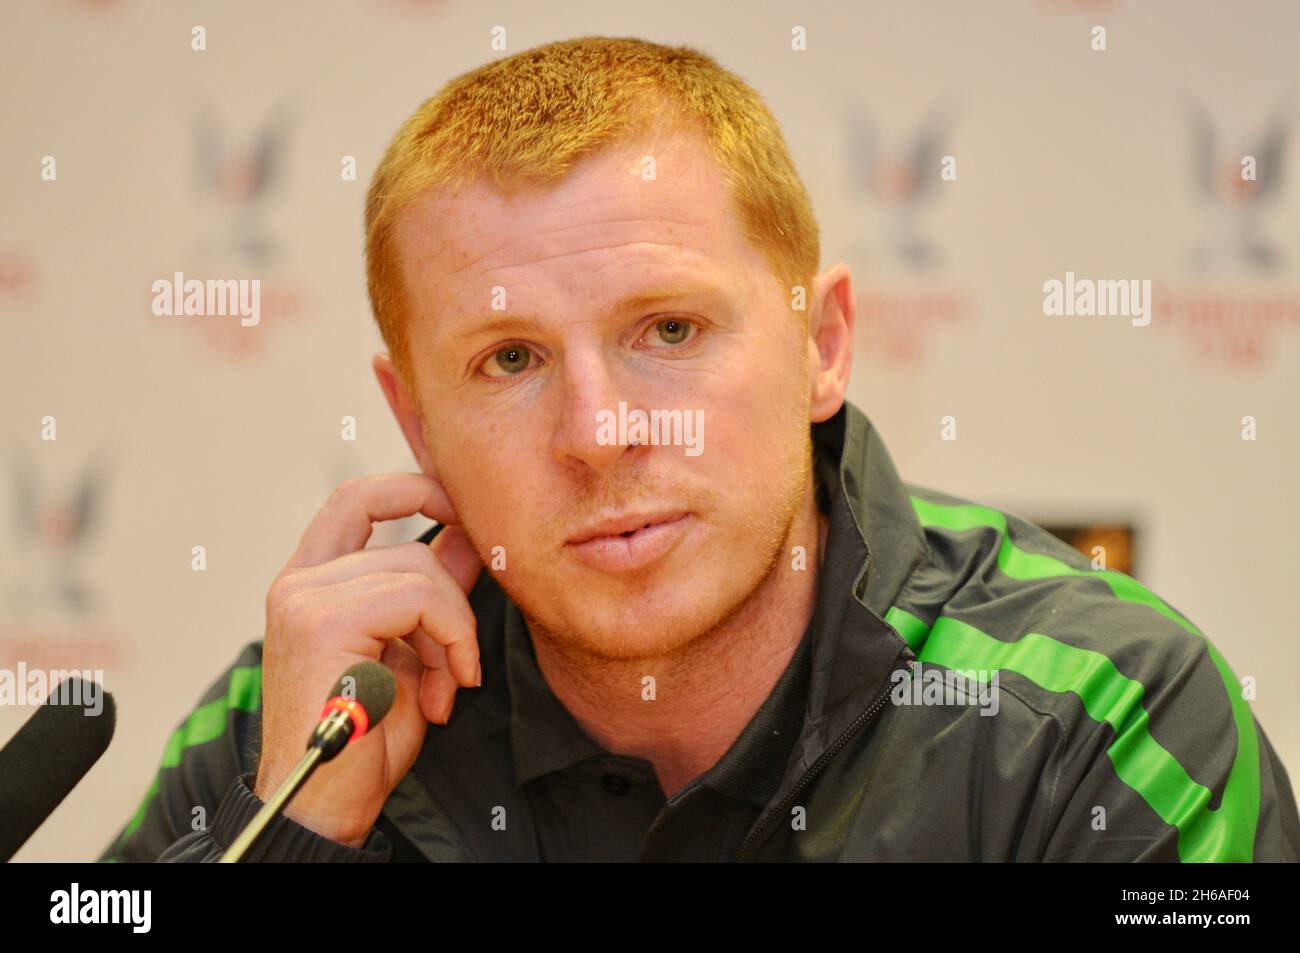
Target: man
x,y
709,632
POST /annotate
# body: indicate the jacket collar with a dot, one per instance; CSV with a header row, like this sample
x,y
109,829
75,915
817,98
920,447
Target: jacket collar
x,y
887,540
876,543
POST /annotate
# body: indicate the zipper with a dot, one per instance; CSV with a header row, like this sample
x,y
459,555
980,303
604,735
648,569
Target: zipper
x,y
820,765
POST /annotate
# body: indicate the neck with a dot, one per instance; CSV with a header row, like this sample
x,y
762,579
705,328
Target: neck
x,y
708,692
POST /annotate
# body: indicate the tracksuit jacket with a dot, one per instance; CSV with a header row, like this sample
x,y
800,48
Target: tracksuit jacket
x,y
976,691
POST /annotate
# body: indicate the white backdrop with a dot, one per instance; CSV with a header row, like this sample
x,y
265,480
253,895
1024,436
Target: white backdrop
x,y
176,432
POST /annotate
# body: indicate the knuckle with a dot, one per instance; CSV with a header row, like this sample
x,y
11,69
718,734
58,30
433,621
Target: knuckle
x,y
278,592
424,558
302,617
420,586
345,490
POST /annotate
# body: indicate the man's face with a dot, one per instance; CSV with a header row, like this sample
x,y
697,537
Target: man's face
x,y
510,396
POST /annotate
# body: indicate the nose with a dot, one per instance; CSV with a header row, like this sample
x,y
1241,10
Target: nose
x,y
589,398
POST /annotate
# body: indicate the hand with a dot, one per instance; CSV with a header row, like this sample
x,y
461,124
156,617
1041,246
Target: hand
x,y
335,604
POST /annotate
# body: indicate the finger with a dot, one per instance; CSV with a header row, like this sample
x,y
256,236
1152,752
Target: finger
x,y
355,613
458,555
400,557
403,662
437,694
405,666
433,655
344,523
450,649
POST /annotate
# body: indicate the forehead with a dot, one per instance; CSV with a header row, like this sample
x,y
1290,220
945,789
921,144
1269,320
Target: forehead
x,y
614,220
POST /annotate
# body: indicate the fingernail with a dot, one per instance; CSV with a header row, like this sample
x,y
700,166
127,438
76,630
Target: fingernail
x,y
478,674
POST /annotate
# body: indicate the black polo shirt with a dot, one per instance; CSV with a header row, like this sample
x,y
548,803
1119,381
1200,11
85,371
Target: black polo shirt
x,y
589,804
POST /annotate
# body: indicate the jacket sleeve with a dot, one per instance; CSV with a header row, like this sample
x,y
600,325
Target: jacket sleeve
x,y
283,840
1180,769
202,795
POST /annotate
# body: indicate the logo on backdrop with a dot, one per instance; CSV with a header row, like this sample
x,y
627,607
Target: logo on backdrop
x,y
49,606
240,171
51,529
1231,313
901,181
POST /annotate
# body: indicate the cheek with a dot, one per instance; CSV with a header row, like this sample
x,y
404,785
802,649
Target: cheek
x,y
470,472
489,482
751,437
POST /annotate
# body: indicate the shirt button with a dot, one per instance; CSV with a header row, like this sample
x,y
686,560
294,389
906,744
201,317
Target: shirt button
x,y
614,784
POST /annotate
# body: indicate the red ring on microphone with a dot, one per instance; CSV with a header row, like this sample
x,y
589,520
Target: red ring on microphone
x,y
351,707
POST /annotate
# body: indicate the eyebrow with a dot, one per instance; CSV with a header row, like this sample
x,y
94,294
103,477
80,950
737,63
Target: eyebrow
x,y
505,322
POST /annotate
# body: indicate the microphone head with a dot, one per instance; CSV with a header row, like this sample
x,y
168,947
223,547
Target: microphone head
x,y
43,762
371,685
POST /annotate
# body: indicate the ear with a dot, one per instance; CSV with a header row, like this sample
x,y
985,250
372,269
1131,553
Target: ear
x,y
404,408
830,341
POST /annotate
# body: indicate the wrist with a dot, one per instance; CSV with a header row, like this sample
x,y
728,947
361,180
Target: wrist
x,y
265,781
349,835
264,786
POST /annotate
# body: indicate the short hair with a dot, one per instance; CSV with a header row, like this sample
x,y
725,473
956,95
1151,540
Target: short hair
x,y
525,120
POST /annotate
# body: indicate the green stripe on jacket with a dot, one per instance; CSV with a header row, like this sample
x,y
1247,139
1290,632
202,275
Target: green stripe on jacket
x,y
1141,762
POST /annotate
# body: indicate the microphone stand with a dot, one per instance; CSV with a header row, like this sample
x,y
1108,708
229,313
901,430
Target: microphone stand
x,y
326,742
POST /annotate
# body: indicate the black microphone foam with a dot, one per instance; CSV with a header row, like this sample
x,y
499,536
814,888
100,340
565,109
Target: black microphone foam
x,y
44,761
371,685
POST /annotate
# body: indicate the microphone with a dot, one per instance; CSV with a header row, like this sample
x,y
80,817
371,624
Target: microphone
x,y
48,756
359,701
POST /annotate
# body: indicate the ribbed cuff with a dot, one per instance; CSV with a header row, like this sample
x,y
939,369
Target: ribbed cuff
x,y
285,839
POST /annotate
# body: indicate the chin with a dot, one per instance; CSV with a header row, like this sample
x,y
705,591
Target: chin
x,y
627,639
614,625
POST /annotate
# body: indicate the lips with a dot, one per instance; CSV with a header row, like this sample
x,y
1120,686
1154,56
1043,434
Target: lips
x,y
624,525
629,543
